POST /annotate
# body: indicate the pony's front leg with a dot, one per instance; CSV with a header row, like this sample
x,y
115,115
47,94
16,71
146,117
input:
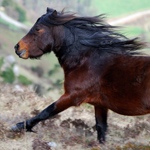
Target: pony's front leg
x,y
101,122
63,103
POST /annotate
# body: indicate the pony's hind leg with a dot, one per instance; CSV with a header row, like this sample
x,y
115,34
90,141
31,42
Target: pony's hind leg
x,y
63,103
101,122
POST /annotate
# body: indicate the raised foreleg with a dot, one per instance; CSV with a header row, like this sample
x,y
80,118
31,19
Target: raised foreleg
x,y
63,103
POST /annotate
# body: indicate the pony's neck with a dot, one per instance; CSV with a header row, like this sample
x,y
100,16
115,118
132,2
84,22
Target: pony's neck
x,y
67,51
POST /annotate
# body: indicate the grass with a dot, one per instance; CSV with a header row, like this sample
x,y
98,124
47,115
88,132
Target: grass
x,y
133,31
118,8
10,37
28,23
10,26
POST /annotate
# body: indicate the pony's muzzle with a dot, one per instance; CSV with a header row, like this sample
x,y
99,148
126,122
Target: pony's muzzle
x,y
16,47
21,50
21,53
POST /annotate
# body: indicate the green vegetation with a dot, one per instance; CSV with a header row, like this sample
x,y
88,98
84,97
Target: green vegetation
x,y
9,25
133,31
9,37
15,6
8,75
1,64
6,3
22,13
54,70
117,8
24,80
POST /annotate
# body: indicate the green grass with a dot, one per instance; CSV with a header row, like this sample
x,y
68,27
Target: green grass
x,y
10,35
10,26
115,8
132,31
28,23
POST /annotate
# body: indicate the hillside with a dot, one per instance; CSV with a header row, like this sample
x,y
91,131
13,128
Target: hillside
x,y
72,129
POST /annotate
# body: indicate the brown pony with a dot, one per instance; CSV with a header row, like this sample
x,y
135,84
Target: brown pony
x,y
101,67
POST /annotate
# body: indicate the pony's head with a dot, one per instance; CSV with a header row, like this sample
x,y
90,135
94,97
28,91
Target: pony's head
x,y
45,35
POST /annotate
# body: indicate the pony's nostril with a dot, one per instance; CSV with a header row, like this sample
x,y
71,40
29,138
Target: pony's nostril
x,y
16,47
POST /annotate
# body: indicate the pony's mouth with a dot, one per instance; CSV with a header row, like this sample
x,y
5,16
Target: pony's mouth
x,y
22,53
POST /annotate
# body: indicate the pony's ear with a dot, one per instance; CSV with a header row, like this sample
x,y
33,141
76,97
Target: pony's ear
x,y
49,10
54,13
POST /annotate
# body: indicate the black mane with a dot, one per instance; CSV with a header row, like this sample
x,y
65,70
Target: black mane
x,y
93,32
84,34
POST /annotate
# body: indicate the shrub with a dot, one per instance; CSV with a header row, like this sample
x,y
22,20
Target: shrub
x,y
8,75
54,70
16,7
23,80
6,3
22,13
1,63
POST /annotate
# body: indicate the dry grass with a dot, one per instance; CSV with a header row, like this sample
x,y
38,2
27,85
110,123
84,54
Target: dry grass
x,y
72,129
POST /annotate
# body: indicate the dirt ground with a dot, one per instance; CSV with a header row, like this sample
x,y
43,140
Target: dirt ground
x,y
73,129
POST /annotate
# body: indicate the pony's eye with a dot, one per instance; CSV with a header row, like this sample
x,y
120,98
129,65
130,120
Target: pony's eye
x,y
37,29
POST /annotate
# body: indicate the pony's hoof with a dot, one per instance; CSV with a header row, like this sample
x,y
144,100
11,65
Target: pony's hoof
x,y
15,128
18,127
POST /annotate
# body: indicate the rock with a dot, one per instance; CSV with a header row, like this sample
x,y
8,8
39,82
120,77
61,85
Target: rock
x,y
52,144
10,59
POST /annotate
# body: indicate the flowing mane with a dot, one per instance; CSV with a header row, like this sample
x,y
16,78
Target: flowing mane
x,y
92,32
